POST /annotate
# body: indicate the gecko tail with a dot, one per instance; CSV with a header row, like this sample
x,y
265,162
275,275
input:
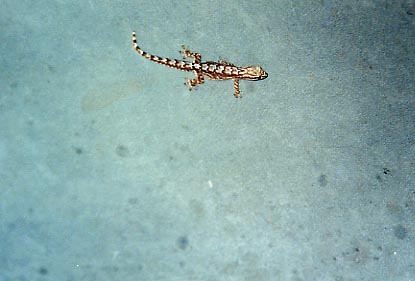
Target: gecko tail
x,y
149,56
136,47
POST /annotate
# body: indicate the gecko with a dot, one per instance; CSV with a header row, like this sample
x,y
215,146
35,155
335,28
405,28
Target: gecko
x,y
221,70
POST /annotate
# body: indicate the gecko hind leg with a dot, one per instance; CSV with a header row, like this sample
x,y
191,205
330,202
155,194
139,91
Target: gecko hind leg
x,y
192,83
196,57
237,92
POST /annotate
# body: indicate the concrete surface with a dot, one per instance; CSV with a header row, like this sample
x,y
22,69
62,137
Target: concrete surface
x,y
110,169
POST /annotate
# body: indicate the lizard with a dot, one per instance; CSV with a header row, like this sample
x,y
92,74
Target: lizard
x,y
221,70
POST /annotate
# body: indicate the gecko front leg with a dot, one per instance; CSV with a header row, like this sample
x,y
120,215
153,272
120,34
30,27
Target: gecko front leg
x,y
196,57
199,79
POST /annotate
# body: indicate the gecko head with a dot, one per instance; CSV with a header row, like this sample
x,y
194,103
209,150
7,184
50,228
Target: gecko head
x,y
254,73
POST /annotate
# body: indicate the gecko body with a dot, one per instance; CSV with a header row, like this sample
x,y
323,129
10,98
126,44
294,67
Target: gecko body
x,y
220,70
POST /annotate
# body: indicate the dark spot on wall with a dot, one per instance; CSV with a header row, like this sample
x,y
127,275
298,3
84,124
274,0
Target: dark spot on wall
x,y
294,271
122,151
133,200
400,232
11,226
322,180
43,271
182,242
378,177
78,150
182,264
110,269
386,171
409,8
114,268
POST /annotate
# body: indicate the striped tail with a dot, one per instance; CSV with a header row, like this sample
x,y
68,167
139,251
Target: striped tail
x,y
182,65
141,52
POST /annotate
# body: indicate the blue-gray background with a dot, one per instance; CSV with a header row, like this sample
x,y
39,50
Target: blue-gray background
x,y
110,169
